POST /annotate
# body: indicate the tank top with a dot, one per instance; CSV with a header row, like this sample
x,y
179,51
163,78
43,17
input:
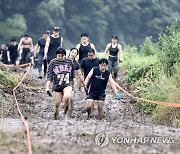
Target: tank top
x,y
99,81
83,51
53,45
113,51
41,43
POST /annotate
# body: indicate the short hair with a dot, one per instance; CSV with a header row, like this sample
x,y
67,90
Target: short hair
x,y
47,32
115,37
103,60
91,51
75,49
84,34
60,50
13,40
26,35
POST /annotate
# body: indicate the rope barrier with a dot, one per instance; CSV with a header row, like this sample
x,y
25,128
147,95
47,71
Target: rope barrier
x,y
170,104
21,115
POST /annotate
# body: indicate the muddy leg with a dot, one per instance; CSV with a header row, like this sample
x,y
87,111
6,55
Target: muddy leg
x,y
67,96
71,106
100,109
89,105
57,100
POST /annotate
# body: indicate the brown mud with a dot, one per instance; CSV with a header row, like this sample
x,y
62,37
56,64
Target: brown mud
x,y
129,130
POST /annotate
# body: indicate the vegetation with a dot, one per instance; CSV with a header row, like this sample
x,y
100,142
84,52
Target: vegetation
x,y
8,79
154,74
131,21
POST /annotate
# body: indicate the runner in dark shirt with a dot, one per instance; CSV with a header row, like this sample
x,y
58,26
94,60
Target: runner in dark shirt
x,y
39,53
114,49
88,63
72,55
52,43
84,46
4,54
13,51
99,77
61,74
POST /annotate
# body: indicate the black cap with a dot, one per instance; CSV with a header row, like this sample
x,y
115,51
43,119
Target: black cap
x,y
115,37
56,28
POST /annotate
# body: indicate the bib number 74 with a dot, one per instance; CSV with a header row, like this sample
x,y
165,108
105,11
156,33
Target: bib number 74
x,y
63,78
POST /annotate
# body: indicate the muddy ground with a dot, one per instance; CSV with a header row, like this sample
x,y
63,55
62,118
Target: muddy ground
x,y
124,129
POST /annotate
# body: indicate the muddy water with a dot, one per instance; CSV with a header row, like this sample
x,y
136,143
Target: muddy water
x,y
126,130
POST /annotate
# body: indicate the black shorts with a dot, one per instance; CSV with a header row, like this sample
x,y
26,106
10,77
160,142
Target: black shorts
x,y
59,88
95,96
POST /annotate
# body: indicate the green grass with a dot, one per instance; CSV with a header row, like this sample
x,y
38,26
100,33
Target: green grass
x,y
8,79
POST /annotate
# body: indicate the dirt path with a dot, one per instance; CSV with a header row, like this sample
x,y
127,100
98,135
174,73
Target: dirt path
x,y
128,131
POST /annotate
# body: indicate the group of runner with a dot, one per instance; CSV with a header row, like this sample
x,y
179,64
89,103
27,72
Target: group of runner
x,y
59,69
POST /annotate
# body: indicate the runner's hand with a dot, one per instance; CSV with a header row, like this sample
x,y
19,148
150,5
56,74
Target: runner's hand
x,y
48,92
86,90
117,96
45,56
120,61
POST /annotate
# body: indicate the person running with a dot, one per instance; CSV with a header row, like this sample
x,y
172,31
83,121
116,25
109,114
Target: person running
x,y
99,77
114,48
61,73
39,53
13,51
84,46
52,43
4,54
89,62
25,47
72,55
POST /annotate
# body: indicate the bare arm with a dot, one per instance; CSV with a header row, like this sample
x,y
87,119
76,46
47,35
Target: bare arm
x,y
20,44
46,47
113,84
61,41
31,47
36,49
93,47
88,77
106,50
48,85
80,76
78,46
8,56
120,53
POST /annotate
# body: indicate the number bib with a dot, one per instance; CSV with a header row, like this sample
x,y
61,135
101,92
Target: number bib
x,y
63,79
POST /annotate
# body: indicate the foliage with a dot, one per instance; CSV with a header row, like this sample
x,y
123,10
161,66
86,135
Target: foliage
x,y
138,66
8,79
148,47
13,26
132,21
169,44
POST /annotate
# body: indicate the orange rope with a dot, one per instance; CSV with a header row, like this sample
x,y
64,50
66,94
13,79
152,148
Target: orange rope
x,y
171,104
22,117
